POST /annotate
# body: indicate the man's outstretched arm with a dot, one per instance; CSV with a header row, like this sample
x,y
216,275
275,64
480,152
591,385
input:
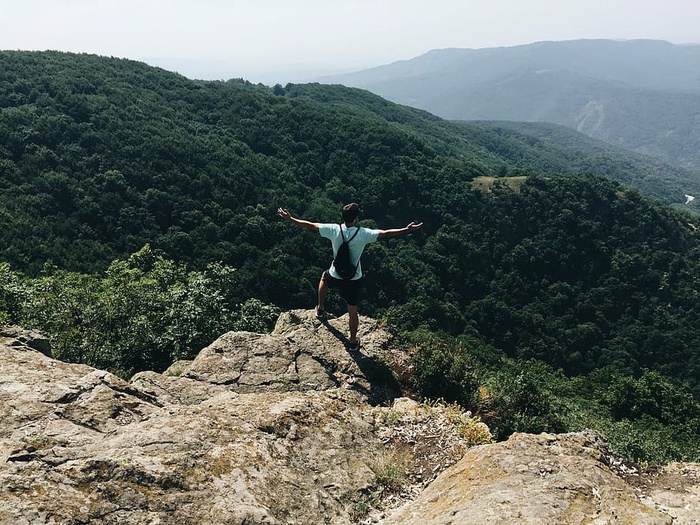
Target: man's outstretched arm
x,y
411,227
299,222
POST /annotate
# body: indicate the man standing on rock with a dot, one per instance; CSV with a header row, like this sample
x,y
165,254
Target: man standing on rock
x,y
357,238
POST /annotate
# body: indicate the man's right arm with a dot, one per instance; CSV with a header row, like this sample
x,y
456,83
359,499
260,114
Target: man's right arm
x,y
308,225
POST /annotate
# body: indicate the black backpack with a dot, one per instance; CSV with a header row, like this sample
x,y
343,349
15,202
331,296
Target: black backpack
x,y
342,259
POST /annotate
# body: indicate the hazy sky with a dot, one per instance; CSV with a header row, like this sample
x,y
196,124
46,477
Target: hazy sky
x,y
249,38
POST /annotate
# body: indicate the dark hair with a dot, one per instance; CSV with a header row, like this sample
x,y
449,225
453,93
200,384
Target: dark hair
x,y
350,212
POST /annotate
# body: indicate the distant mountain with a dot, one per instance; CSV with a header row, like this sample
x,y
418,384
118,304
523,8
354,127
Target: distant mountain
x,y
643,95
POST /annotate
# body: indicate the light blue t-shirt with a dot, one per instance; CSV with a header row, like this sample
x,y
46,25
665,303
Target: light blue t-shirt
x,y
364,237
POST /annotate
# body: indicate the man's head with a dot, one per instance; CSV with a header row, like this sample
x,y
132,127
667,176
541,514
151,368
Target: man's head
x,y
350,212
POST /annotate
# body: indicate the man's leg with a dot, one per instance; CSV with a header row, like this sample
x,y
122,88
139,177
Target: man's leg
x,y
322,290
352,297
354,323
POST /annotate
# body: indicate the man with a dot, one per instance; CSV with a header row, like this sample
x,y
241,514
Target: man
x,y
358,238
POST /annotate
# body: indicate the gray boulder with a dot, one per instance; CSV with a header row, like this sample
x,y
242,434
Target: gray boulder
x,y
532,479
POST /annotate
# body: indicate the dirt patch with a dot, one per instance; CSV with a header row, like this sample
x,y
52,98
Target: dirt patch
x,y
422,440
486,184
673,489
677,477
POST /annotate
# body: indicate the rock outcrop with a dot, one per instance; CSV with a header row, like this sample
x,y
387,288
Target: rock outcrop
x,y
282,428
532,479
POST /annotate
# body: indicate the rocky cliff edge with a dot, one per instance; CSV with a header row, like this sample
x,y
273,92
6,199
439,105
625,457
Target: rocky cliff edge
x,y
290,428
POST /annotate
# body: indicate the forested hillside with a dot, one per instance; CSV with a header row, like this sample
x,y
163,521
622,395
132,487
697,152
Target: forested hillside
x,y
524,255
99,156
552,148
506,147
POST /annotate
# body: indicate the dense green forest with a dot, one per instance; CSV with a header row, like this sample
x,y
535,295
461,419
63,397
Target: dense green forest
x,y
139,223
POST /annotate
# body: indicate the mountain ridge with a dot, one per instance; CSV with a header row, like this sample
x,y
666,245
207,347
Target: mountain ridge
x,y
648,86
601,59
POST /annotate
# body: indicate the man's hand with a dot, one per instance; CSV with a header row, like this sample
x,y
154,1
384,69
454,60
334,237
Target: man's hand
x,y
413,226
284,214
308,225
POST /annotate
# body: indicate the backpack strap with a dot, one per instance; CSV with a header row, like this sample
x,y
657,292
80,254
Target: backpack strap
x,y
353,235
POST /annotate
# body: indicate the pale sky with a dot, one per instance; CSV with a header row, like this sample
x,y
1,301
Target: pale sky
x,y
264,39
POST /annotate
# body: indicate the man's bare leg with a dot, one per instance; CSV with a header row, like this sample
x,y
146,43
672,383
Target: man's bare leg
x,y
354,323
322,290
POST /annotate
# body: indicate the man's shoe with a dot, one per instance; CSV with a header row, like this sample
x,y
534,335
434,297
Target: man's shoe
x,y
320,314
354,347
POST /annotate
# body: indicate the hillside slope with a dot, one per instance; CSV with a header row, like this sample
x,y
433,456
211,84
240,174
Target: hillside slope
x,y
101,156
641,95
527,147
552,148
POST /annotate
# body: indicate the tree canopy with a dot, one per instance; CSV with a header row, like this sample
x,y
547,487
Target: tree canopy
x,y
139,223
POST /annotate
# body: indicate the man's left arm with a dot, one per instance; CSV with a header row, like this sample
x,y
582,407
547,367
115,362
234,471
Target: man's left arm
x,y
411,227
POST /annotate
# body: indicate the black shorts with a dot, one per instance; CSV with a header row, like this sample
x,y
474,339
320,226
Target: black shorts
x,y
348,290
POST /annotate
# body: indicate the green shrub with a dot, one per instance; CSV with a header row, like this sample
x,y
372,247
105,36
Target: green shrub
x,y
651,395
13,294
145,313
443,369
256,316
518,398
